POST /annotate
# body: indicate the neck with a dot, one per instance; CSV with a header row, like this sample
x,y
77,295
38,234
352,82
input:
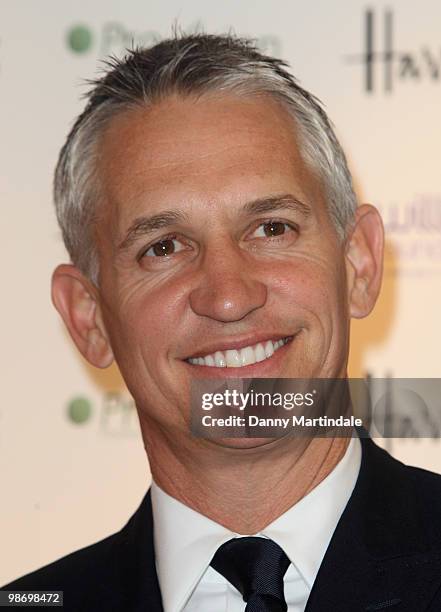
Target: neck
x,y
231,485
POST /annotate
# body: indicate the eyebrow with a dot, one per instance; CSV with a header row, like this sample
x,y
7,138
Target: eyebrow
x,y
273,203
144,226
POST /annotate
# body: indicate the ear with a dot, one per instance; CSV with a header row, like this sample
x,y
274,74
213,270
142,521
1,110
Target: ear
x,y
364,261
75,298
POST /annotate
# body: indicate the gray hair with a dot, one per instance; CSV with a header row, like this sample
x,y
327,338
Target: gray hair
x,y
188,65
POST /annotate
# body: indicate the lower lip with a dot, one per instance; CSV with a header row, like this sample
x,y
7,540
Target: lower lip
x,y
259,369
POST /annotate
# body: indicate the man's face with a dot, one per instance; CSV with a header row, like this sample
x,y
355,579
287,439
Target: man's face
x,y
214,236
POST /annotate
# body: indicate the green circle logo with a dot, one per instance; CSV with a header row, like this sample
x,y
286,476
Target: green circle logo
x,y
79,39
79,410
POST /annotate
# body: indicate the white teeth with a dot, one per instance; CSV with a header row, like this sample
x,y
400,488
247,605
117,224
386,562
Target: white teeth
x,y
219,359
209,360
269,349
260,352
247,356
233,358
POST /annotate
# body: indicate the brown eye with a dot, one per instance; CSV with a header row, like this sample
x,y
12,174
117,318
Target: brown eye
x,y
162,248
274,228
165,247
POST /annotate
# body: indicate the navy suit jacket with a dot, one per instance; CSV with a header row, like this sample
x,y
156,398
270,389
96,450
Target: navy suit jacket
x,y
385,553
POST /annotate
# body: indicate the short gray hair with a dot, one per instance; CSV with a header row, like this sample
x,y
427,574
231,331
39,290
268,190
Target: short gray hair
x,y
188,65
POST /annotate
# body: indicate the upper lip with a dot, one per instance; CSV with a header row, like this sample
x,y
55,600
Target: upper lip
x,y
223,344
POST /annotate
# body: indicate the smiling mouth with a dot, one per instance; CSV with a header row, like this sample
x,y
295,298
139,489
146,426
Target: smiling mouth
x,y
238,358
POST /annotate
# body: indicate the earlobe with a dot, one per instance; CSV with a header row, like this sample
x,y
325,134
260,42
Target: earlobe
x,y
364,259
74,297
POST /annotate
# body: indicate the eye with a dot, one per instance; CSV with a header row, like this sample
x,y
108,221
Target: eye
x,y
273,229
163,248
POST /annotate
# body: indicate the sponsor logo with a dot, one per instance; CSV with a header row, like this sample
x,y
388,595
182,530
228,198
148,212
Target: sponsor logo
x,y
79,39
404,409
115,37
383,65
114,414
79,410
413,233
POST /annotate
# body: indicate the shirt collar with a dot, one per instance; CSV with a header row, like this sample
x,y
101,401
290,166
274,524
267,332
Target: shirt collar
x,y
185,540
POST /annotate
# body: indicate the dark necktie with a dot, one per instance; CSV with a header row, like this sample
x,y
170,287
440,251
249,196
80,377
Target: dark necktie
x,y
255,566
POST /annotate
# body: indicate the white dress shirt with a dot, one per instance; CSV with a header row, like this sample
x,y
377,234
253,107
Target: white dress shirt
x,y
185,542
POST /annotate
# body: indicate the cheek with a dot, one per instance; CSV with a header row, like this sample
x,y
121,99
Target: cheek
x,y
312,295
317,288
149,321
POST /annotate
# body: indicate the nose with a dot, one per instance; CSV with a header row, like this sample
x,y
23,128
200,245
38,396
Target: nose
x,y
228,288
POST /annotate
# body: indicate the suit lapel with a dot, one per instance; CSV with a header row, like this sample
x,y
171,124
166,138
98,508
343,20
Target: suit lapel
x,y
139,569
379,557
133,584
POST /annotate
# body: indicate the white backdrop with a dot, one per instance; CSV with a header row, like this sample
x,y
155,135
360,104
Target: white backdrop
x,y
72,464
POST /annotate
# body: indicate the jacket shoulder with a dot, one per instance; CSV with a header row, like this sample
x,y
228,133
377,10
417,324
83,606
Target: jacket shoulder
x,y
400,503
116,573
80,575
73,569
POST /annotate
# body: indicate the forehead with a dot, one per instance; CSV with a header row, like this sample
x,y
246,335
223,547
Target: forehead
x,y
219,150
